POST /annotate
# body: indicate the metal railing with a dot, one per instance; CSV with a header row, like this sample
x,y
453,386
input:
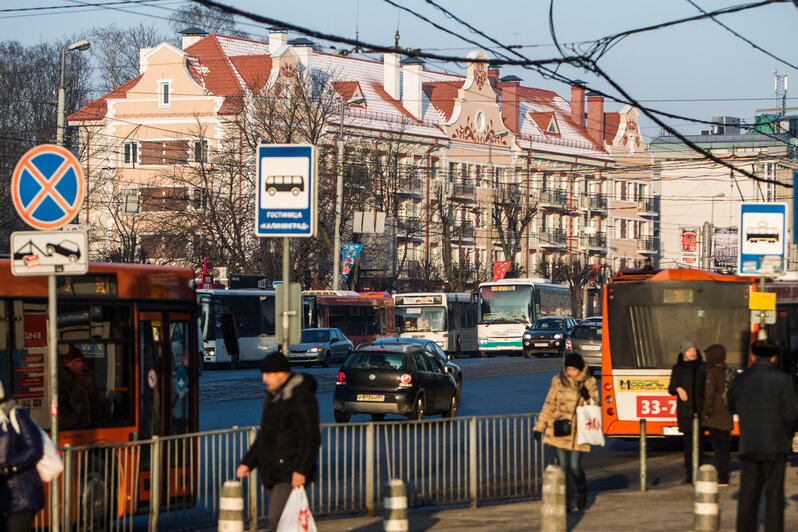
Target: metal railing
x,y
647,245
174,482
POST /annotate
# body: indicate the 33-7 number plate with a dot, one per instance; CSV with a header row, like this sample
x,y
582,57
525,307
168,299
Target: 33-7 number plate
x,y
654,406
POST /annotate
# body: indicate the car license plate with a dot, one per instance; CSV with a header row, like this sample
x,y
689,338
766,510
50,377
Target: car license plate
x,y
370,397
541,344
591,347
671,431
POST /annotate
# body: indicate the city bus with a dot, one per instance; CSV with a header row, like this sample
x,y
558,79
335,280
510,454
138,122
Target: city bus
x,y
507,307
236,325
647,315
126,335
785,331
362,317
450,320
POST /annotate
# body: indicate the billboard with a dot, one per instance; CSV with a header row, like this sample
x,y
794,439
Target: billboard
x,y
689,253
726,248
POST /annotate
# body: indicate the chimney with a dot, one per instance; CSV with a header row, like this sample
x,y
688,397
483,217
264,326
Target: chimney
x,y
304,50
595,117
142,61
192,35
278,37
411,85
391,74
578,103
509,102
493,75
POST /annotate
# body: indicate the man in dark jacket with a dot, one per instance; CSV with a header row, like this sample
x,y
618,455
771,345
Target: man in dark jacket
x,y
717,418
764,399
288,442
687,383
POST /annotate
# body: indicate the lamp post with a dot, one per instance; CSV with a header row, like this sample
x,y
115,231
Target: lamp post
x,y
80,46
339,194
712,218
489,246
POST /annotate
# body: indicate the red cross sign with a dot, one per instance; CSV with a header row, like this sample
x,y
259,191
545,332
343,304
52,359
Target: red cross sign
x,y
47,187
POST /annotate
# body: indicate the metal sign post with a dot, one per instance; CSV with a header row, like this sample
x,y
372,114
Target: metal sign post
x,y
47,191
286,205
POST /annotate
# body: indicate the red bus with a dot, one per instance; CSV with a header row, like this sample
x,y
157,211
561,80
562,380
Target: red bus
x,y
126,336
647,315
362,317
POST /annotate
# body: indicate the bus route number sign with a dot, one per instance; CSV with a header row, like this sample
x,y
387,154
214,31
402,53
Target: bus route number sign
x,y
656,406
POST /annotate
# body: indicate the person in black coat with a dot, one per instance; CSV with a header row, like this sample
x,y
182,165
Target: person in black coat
x,y
21,448
288,442
687,383
764,399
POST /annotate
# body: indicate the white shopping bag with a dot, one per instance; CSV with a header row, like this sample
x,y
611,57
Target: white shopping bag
x,y
50,464
296,514
588,425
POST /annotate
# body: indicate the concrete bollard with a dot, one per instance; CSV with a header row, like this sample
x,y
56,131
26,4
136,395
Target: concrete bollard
x,y
552,512
395,505
231,507
707,517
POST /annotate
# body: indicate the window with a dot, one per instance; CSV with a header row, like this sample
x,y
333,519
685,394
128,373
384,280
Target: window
x,y
130,153
130,202
163,94
200,151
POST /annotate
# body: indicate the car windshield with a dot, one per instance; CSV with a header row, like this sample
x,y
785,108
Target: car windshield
x,y
311,335
368,360
549,324
587,332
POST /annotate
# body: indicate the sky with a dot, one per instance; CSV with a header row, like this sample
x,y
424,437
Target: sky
x,y
697,69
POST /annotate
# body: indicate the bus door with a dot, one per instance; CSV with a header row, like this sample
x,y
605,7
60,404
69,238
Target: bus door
x,y
168,400
219,329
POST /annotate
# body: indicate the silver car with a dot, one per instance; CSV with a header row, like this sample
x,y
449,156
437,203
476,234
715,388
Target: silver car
x,y
324,345
586,341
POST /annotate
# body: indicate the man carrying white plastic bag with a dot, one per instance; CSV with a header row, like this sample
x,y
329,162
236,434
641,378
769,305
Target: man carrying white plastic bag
x,y
288,442
296,514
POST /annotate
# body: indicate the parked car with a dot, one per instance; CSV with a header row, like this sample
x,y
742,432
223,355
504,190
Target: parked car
x,y
400,378
434,350
323,345
547,335
585,340
591,320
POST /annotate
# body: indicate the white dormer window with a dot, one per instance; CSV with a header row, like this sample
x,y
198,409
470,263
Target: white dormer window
x,y
164,94
552,127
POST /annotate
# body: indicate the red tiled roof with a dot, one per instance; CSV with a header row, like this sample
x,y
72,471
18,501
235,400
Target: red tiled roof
x,y
97,109
219,78
254,69
542,120
442,95
380,90
345,89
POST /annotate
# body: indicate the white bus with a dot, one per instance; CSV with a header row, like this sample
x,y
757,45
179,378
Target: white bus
x,y
450,320
236,325
507,307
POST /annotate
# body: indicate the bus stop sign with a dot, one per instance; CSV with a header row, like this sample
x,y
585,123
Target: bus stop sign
x,y
762,238
286,195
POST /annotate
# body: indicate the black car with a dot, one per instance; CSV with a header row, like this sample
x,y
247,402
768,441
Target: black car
x,y
434,350
547,336
393,379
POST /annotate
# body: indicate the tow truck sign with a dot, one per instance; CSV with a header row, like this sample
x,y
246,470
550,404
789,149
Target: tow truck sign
x,y
762,238
49,252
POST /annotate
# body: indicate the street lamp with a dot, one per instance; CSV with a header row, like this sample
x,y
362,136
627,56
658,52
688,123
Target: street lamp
x,y
80,46
489,246
712,219
339,193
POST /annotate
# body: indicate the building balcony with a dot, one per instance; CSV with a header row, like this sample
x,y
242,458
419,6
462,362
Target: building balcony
x,y
409,225
647,246
412,187
463,191
508,194
595,243
553,238
554,199
594,202
648,206
466,231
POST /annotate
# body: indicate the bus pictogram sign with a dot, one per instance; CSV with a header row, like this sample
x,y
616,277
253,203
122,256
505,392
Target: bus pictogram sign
x,y
47,187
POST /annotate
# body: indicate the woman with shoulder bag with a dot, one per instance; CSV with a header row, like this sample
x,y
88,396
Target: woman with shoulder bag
x,y
557,421
21,448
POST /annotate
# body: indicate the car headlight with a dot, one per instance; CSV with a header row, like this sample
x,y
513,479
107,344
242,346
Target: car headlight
x,y
557,336
316,350
527,336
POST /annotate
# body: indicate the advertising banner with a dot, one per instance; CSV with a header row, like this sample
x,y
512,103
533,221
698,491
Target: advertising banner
x,y
689,255
350,254
726,247
500,268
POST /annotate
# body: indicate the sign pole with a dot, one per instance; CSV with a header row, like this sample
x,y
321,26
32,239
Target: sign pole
x,y
286,296
52,368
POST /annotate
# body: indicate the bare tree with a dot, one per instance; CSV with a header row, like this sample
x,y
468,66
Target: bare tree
x,y
210,19
453,232
116,51
511,215
572,271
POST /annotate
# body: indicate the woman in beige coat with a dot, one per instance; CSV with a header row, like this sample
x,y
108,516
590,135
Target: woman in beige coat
x,y
569,389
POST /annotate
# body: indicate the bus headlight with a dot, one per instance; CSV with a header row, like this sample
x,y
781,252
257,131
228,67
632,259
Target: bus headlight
x,y
440,344
483,341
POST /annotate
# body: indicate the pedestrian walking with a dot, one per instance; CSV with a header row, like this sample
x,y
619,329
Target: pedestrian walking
x,y
287,445
572,387
764,399
717,418
687,382
21,448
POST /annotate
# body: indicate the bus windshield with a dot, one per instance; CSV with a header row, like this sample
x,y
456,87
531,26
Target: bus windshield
x,y
505,304
648,321
418,319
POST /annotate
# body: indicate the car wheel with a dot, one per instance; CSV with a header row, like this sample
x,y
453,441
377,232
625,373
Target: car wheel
x,y
341,417
49,250
418,412
327,359
452,410
377,417
73,258
459,391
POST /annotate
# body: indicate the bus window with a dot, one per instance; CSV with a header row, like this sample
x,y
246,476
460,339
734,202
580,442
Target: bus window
x,y
267,314
150,344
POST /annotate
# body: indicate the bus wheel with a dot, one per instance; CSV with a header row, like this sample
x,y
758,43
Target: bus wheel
x,y
295,191
95,512
235,360
377,417
341,417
